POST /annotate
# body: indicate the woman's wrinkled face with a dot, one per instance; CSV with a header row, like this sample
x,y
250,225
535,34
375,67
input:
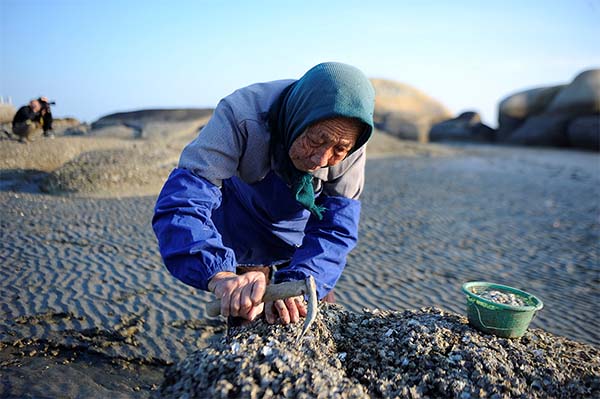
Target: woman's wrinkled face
x,y
325,143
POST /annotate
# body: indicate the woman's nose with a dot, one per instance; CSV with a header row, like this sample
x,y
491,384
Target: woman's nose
x,y
321,157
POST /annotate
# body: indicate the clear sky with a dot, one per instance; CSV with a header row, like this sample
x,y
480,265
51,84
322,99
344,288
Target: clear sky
x,y
98,57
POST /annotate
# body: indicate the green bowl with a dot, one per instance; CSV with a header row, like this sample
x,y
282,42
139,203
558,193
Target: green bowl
x,y
503,320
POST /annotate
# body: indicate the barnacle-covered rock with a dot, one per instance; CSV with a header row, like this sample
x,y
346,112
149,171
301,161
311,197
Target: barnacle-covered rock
x,y
262,360
386,354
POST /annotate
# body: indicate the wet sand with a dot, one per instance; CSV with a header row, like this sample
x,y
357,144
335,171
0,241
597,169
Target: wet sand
x,y
88,310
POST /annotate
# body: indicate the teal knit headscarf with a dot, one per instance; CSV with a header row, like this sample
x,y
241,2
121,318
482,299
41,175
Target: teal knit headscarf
x,y
328,90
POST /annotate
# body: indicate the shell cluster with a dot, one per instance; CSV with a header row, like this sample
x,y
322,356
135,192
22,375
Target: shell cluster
x,y
385,354
505,298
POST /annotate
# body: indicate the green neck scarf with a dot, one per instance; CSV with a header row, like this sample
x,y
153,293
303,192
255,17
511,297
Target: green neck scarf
x,y
326,91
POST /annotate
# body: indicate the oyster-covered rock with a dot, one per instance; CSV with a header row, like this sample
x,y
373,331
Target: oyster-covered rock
x,y
386,354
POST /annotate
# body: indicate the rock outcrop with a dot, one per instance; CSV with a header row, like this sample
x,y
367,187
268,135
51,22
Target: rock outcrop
x,y
584,132
405,112
104,170
151,123
7,112
551,116
61,125
465,127
427,353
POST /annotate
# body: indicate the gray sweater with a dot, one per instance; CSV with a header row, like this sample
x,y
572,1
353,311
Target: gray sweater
x,y
235,142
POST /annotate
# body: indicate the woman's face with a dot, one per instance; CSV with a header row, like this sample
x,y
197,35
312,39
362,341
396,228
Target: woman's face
x,y
325,143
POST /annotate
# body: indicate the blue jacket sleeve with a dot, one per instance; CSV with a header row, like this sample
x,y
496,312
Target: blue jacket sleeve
x,y
325,245
189,243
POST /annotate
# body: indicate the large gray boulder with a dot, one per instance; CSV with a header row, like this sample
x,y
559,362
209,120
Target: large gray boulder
x,y
584,132
523,104
516,108
405,112
465,127
154,115
548,130
543,116
581,97
152,123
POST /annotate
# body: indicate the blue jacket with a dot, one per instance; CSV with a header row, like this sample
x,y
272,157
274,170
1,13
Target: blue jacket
x,y
225,205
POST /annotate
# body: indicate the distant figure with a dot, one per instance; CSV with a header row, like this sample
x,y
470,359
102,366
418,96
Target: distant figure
x,y
31,118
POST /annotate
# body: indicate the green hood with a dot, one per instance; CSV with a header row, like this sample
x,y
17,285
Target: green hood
x,y
328,90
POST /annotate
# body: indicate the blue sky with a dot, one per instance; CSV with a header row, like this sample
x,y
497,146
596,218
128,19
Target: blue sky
x,y
98,57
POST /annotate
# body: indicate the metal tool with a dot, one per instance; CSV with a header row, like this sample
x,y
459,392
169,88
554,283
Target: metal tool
x,y
284,290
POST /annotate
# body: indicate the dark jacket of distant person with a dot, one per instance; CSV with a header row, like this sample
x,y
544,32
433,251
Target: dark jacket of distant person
x,y
35,115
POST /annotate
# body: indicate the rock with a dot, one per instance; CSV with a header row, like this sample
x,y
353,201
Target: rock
x,y
61,125
102,170
404,127
523,104
404,111
584,132
542,116
541,130
7,113
79,130
581,97
469,118
121,131
507,125
383,144
152,123
385,354
465,127
6,131
514,109
154,115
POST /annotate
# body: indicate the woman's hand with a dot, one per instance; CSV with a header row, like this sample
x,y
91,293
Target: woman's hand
x,y
240,295
288,310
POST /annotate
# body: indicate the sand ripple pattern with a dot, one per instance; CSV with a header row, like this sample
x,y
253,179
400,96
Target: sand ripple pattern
x,y
520,217
86,273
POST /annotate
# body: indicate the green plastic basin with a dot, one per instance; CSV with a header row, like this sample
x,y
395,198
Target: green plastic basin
x,y
503,320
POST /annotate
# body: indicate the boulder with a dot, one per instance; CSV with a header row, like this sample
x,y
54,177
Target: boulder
x,y
78,130
523,104
153,115
543,116
581,97
465,127
404,111
59,125
541,130
7,113
106,170
506,126
127,130
152,123
584,132
516,108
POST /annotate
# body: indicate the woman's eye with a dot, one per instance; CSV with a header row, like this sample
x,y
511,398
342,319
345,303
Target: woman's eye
x,y
313,143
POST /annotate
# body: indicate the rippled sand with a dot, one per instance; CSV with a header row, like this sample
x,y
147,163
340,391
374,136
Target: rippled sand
x,y
83,290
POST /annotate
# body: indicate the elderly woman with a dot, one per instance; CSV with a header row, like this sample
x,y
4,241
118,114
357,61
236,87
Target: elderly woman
x,y
271,183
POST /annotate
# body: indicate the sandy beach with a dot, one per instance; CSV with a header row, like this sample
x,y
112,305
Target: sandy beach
x,y
88,310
